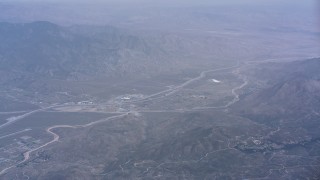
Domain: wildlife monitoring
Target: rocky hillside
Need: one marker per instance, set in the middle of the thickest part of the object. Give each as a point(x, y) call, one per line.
point(49, 50)
point(292, 88)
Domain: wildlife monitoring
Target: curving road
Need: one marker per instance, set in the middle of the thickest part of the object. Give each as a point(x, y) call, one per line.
point(56, 138)
point(151, 97)
point(148, 98)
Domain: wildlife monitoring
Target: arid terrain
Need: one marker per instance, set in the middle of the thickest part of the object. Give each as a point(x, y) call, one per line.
point(180, 91)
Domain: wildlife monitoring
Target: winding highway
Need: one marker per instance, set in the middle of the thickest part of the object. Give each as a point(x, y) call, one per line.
point(151, 97)
point(56, 138)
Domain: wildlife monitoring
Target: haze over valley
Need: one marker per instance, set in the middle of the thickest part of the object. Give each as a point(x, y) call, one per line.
point(161, 90)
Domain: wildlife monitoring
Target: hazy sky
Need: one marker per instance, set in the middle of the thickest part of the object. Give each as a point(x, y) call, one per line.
point(168, 2)
point(113, 11)
point(286, 3)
